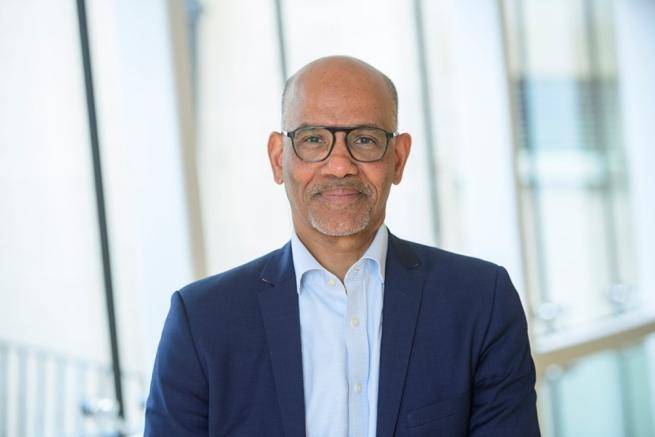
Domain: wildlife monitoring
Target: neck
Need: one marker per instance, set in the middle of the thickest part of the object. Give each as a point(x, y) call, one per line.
point(336, 254)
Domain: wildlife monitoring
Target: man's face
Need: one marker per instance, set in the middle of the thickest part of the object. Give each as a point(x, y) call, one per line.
point(339, 196)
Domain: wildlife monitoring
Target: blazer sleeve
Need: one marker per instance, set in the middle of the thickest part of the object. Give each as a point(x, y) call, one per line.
point(178, 401)
point(504, 398)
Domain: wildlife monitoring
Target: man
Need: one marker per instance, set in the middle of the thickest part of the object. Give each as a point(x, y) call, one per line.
point(346, 330)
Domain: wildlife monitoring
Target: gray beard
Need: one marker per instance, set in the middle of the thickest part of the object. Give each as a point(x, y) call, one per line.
point(340, 228)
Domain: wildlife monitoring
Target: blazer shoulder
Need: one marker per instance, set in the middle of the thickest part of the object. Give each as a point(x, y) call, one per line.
point(236, 283)
point(460, 277)
point(475, 285)
point(433, 257)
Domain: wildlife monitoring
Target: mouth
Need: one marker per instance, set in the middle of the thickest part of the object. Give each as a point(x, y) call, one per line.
point(340, 196)
point(338, 193)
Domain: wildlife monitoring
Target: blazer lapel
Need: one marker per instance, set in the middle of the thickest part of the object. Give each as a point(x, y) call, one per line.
point(402, 296)
point(278, 303)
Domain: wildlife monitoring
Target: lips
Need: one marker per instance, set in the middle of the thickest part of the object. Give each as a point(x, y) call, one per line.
point(339, 193)
point(339, 197)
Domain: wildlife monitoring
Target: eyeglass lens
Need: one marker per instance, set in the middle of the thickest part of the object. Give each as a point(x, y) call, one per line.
point(315, 143)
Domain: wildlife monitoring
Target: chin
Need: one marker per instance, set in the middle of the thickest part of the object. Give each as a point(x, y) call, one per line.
point(339, 227)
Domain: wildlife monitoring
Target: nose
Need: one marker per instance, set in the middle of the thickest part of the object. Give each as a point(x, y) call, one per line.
point(339, 164)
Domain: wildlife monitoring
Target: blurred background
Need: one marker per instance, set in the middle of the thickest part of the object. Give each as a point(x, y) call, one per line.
point(133, 161)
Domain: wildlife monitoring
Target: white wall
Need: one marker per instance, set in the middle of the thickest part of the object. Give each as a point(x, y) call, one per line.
point(51, 285)
point(474, 132)
point(51, 279)
point(142, 157)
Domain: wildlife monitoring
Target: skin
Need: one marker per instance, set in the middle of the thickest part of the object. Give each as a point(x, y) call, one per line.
point(338, 204)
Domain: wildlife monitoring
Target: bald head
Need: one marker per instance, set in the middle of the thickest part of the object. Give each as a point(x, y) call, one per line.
point(337, 77)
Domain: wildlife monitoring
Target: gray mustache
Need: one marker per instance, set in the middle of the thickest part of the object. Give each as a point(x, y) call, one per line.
point(352, 184)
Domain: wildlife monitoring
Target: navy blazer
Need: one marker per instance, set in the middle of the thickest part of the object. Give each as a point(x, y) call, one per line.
point(455, 359)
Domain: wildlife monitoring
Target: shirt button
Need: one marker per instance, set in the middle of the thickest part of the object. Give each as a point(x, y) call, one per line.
point(331, 282)
point(358, 388)
point(354, 322)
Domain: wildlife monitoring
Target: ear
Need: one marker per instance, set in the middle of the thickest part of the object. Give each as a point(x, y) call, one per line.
point(275, 153)
point(402, 146)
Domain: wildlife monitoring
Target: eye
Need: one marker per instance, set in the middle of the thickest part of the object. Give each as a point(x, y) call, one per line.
point(364, 141)
point(312, 139)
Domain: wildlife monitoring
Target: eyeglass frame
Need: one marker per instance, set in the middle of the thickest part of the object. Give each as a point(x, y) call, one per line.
point(333, 130)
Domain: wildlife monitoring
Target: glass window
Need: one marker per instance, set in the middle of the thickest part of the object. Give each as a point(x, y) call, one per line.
point(577, 188)
point(572, 173)
point(239, 84)
point(576, 403)
point(54, 344)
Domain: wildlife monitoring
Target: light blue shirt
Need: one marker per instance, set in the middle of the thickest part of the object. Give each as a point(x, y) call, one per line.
point(340, 331)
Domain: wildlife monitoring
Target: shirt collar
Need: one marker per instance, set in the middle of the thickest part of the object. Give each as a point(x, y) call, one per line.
point(304, 261)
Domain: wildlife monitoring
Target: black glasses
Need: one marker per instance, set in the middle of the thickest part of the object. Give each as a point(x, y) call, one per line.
point(364, 143)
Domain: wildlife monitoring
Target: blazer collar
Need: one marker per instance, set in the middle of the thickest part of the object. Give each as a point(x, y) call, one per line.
point(279, 267)
point(402, 252)
point(278, 304)
point(402, 298)
point(278, 300)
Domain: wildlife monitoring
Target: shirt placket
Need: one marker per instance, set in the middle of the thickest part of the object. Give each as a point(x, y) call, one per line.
point(357, 351)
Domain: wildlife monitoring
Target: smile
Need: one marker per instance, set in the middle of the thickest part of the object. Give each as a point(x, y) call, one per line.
point(339, 196)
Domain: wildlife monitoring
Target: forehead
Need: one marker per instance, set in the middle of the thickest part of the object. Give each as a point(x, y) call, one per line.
point(340, 96)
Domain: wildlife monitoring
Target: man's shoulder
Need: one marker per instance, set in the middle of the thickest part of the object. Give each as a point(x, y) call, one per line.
point(432, 258)
point(463, 278)
point(238, 283)
point(469, 283)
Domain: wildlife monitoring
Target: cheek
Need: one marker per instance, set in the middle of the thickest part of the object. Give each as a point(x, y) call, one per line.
point(380, 178)
point(296, 178)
